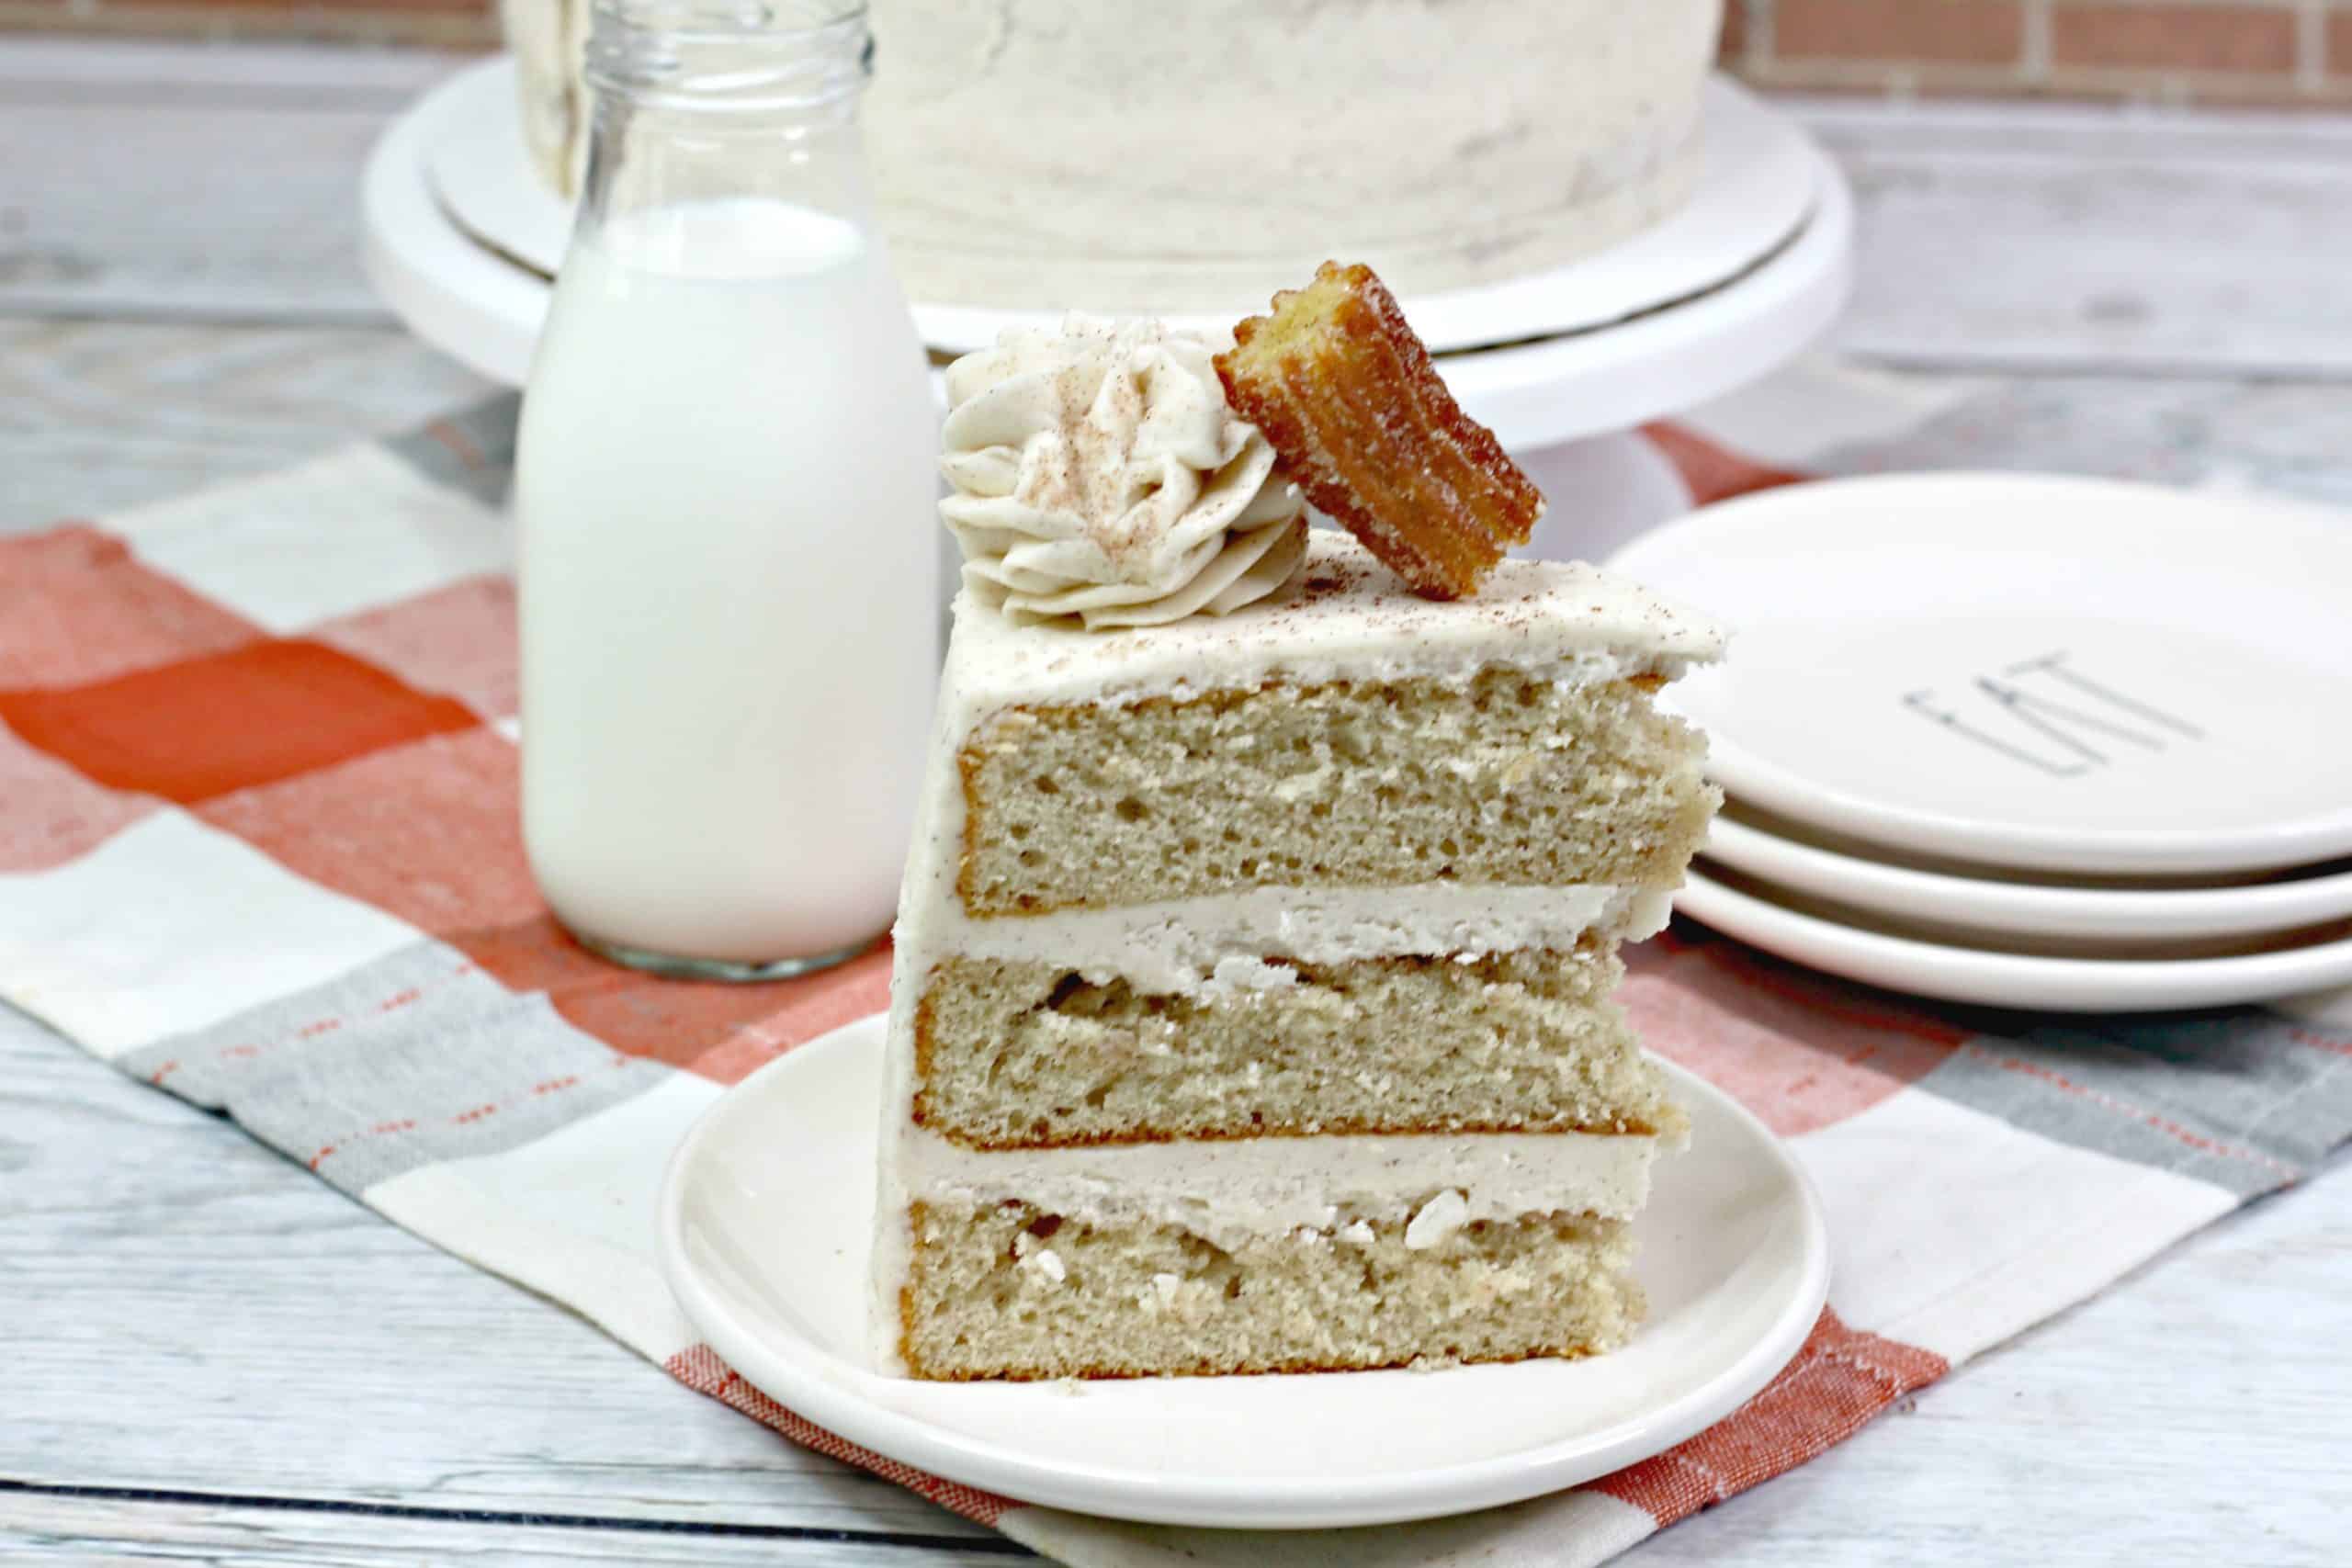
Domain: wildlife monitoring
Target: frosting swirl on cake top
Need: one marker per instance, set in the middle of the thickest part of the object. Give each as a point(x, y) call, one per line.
point(1099, 476)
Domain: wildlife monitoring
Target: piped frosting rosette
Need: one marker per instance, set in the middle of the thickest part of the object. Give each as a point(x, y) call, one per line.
point(1100, 475)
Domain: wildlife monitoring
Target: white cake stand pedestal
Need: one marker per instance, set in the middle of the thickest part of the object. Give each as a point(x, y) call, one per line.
point(1565, 404)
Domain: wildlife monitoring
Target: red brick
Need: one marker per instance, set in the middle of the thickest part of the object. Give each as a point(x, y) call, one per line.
point(2247, 39)
point(461, 24)
point(2339, 43)
point(1731, 44)
point(295, 7)
point(1941, 32)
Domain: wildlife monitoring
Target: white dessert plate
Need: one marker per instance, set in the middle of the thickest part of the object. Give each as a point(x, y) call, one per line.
point(1754, 192)
point(2064, 674)
point(1987, 903)
point(764, 1219)
point(1778, 924)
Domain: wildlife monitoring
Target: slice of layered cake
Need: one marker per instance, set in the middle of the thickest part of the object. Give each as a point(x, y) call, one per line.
point(1251, 1008)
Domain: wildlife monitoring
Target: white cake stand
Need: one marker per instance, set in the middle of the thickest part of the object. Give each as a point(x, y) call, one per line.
point(1761, 265)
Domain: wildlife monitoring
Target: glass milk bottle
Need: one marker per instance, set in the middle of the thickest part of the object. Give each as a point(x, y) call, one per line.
point(726, 496)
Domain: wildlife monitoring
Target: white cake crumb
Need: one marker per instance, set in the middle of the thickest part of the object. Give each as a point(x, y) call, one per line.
point(1299, 787)
point(1242, 971)
point(1356, 1232)
point(1441, 1219)
point(1042, 1261)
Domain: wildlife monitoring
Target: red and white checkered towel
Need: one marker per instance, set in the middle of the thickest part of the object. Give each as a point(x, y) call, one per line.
point(258, 846)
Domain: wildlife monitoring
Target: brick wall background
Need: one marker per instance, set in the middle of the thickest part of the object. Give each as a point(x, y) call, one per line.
point(2227, 52)
point(445, 24)
point(2238, 52)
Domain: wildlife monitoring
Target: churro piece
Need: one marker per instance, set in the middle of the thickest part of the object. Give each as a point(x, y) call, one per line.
point(1348, 397)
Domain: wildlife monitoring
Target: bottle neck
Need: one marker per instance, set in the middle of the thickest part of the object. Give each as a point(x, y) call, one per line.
point(725, 100)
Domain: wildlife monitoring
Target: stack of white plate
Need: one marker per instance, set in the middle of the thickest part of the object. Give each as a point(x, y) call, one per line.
point(2026, 741)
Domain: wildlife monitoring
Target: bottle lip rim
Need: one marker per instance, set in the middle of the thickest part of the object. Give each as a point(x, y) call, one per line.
point(637, 48)
point(693, 21)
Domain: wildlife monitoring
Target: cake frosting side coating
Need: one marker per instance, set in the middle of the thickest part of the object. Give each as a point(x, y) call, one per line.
point(1144, 158)
point(1197, 157)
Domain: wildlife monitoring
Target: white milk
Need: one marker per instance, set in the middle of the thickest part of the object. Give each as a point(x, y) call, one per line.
point(726, 494)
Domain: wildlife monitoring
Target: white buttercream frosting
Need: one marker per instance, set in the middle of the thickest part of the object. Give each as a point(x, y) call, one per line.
point(1343, 618)
point(1130, 155)
point(1220, 943)
point(1229, 1189)
point(1100, 477)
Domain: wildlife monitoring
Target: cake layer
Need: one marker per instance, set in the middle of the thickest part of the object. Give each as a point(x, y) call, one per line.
point(1509, 778)
point(1014, 1291)
point(1216, 945)
point(1231, 1190)
point(1017, 1055)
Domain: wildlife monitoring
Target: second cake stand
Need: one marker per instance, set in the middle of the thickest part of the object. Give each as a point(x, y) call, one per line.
point(1565, 403)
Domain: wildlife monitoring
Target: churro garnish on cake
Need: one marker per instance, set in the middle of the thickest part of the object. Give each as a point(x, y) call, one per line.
point(1345, 392)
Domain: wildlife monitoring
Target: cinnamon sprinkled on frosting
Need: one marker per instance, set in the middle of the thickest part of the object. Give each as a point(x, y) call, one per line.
point(1100, 476)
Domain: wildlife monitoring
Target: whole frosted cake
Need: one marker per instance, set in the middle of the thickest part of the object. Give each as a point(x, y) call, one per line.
point(1151, 156)
point(1252, 1003)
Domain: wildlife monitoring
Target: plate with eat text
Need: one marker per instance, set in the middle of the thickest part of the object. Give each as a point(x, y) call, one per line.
point(2024, 671)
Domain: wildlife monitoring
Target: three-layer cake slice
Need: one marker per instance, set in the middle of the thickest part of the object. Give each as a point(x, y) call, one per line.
point(1251, 1008)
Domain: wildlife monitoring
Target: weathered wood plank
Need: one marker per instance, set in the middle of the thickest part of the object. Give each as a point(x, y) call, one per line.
point(2042, 238)
point(228, 213)
point(1986, 261)
point(98, 416)
point(211, 181)
point(251, 72)
point(209, 1318)
point(2062, 129)
point(102, 1532)
point(158, 1250)
point(2173, 1419)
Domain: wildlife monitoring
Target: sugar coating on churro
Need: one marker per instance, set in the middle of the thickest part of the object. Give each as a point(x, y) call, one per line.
point(1346, 394)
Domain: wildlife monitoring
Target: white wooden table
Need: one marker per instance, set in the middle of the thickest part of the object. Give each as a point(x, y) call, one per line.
point(216, 1358)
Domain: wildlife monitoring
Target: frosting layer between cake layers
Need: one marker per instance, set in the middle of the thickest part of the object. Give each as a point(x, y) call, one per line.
point(1219, 943)
point(1225, 1189)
